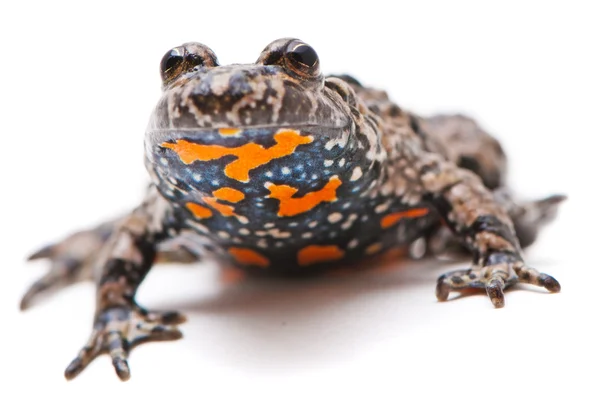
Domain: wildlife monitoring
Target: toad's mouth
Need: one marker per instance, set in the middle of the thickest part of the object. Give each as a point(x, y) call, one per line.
point(262, 135)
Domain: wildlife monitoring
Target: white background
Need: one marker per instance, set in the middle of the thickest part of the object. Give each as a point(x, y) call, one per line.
point(78, 83)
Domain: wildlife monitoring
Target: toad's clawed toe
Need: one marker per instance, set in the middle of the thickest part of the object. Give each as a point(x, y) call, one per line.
point(494, 279)
point(117, 330)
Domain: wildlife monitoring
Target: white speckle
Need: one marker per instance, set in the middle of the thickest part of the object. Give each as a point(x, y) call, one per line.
point(307, 235)
point(314, 176)
point(244, 231)
point(356, 174)
point(223, 234)
point(260, 233)
point(353, 243)
point(242, 219)
point(279, 244)
point(198, 226)
point(328, 163)
point(236, 240)
point(269, 225)
point(364, 218)
point(269, 174)
point(164, 161)
point(418, 248)
point(335, 217)
point(348, 223)
point(215, 182)
point(300, 167)
point(313, 224)
point(275, 233)
point(197, 177)
point(342, 162)
point(332, 234)
point(382, 207)
point(262, 243)
point(172, 180)
point(286, 170)
point(293, 224)
point(346, 205)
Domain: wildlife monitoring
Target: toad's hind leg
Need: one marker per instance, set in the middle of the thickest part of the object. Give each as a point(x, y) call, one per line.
point(73, 258)
point(465, 143)
point(469, 146)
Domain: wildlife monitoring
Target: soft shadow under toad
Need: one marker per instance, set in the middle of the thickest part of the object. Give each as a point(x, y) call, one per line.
point(301, 320)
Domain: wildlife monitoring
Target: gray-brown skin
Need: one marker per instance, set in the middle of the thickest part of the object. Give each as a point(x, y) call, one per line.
point(276, 168)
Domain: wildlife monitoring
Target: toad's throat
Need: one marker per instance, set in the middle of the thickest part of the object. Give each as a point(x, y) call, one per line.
point(248, 156)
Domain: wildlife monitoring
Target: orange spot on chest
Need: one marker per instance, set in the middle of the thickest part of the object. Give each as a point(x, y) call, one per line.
point(229, 194)
point(225, 210)
point(319, 253)
point(249, 257)
point(199, 211)
point(393, 218)
point(289, 206)
point(249, 156)
point(373, 248)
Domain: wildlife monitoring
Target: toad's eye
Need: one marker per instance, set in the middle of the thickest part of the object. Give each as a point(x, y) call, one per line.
point(185, 58)
point(303, 54)
point(302, 58)
point(172, 63)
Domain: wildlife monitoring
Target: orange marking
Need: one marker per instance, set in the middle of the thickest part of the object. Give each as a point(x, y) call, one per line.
point(229, 131)
point(373, 248)
point(319, 253)
point(199, 211)
point(289, 206)
point(249, 156)
point(393, 218)
point(249, 257)
point(229, 195)
point(225, 210)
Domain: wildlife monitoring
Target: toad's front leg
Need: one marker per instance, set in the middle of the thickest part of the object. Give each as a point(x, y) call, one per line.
point(483, 225)
point(119, 323)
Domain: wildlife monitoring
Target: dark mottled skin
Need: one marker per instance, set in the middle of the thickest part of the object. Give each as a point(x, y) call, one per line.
point(279, 169)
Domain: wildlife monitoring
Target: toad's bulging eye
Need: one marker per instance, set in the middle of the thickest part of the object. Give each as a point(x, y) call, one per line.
point(302, 58)
point(303, 54)
point(184, 59)
point(171, 63)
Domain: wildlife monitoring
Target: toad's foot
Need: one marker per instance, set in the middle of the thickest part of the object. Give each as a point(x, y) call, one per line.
point(71, 261)
point(493, 278)
point(118, 329)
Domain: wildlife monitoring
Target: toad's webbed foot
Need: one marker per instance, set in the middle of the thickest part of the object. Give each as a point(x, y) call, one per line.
point(118, 329)
point(494, 278)
point(71, 261)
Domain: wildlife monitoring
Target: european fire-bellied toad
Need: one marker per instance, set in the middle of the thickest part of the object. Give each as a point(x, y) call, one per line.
point(277, 168)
